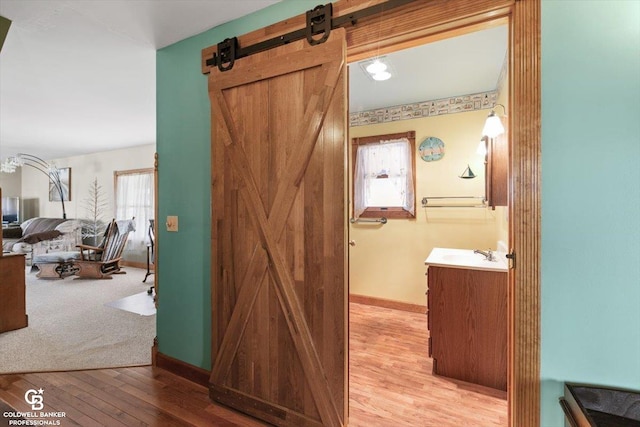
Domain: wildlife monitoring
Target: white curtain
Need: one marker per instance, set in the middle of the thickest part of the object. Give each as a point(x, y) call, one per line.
point(134, 198)
point(384, 176)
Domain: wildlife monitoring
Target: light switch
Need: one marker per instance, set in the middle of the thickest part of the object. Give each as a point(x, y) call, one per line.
point(172, 223)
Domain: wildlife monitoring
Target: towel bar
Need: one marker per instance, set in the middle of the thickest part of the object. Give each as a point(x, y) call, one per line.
point(382, 220)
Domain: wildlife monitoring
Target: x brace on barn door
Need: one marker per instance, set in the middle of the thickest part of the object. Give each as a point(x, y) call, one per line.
point(320, 21)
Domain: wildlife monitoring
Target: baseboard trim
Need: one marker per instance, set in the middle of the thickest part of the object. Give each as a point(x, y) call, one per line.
point(142, 265)
point(387, 303)
point(182, 369)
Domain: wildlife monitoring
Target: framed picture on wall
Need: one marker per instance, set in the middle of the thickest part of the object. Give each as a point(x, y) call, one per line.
point(65, 183)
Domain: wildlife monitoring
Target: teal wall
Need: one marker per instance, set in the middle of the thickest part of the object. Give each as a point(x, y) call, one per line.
point(590, 197)
point(590, 193)
point(184, 312)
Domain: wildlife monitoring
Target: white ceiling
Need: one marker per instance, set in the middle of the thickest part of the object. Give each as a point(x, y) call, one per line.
point(78, 76)
point(461, 65)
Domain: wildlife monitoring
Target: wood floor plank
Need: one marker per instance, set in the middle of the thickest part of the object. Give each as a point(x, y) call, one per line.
point(174, 400)
point(391, 380)
point(97, 398)
point(99, 410)
point(87, 414)
point(145, 413)
point(54, 401)
point(390, 384)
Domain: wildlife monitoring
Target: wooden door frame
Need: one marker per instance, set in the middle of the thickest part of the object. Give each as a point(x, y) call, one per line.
point(416, 22)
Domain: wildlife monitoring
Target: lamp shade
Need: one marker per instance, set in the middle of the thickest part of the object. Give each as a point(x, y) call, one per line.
point(493, 126)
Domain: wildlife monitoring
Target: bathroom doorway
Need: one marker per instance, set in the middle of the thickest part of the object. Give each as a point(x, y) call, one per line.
point(443, 91)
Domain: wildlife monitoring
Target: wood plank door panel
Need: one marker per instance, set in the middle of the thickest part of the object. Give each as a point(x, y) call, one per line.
point(279, 291)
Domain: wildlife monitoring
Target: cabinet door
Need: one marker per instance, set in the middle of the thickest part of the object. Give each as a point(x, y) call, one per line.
point(468, 315)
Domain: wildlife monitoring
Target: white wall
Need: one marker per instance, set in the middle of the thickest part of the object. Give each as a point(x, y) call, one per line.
point(11, 184)
point(84, 169)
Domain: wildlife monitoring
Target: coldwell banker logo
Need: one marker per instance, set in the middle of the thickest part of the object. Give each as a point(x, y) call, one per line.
point(35, 399)
point(38, 417)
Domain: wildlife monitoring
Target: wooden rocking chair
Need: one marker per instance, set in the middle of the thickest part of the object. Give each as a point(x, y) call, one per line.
point(100, 262)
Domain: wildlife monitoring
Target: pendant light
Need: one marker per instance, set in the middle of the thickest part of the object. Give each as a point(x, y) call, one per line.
point(377, 69)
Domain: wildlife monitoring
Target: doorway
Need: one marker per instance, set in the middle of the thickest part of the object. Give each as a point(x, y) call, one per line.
point(443, 92)
point(421, 19)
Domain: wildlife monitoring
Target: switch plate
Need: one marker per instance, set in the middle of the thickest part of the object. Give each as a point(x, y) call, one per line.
point(172, 223)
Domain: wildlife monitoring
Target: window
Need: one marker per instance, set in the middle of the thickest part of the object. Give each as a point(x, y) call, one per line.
point(383, 176)
point(135, 198)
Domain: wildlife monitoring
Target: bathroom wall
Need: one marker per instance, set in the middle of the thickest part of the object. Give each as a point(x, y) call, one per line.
point(388, 260)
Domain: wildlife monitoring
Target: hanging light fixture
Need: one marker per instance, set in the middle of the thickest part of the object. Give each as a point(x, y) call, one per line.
point(381, 76)
point(378, 69)
point(493, 126)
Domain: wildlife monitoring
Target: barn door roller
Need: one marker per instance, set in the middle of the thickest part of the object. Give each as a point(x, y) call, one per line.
point(320, 22)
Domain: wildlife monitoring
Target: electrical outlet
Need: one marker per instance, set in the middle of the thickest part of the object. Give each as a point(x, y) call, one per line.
point(172, 223)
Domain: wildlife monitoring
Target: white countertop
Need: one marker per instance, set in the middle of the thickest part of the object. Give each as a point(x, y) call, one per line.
point(465, 258)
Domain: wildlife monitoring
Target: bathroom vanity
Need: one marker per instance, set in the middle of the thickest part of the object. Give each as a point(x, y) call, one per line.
point(467, 316)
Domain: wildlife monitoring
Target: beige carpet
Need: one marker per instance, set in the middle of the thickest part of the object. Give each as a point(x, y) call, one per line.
point(71, 327)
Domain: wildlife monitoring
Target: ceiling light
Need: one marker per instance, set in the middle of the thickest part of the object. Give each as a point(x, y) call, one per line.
point(376, 67)
point(383, 75)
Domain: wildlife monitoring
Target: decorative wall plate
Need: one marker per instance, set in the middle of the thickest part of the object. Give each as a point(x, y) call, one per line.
point(431, 149)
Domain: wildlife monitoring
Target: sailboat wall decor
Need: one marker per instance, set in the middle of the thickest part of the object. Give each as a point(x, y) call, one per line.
point(468, 173)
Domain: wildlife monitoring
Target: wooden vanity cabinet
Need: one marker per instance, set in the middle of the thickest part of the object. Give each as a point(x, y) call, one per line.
point(467, 320)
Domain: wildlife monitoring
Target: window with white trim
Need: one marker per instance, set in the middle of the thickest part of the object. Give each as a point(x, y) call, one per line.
point(383, 176)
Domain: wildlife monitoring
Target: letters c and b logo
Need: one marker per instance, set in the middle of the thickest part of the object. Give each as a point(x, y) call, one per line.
point(35, 399)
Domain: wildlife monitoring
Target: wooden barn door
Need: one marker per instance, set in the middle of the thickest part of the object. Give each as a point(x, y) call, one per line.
point(279, 288)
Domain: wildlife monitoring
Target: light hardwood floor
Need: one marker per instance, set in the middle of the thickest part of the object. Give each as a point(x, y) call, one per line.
point(390, 385)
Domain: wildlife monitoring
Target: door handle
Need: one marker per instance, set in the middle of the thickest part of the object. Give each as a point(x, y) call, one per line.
point(352, 242)
point(511, 256)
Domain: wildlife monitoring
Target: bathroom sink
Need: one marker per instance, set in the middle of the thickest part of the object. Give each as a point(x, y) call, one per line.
point(465, 258)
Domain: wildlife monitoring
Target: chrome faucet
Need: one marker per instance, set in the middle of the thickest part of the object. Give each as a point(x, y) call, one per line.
point(488, 255)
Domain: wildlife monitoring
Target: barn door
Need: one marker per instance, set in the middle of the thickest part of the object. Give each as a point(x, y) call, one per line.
point(279, 292)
